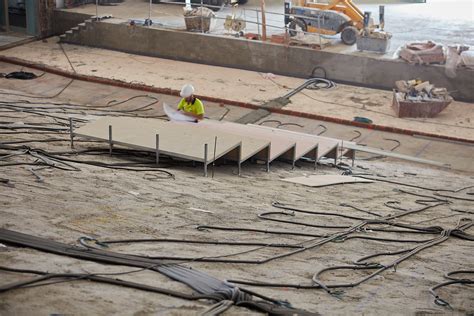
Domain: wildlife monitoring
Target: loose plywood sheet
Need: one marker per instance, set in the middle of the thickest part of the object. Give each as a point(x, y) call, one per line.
point(279, 147)
point(182, 140)
point(325, 180)
point(327, 147)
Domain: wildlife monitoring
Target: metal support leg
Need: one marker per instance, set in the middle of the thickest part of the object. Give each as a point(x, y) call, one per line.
point(157, 150)
point(353, 157)
point(71, 132)
point(315, 158)
point(214, 158)
point(111, 145)
point(268, 159)
point(239, 164)
point(205, 160)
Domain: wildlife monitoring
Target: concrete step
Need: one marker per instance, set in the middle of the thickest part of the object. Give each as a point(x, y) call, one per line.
point(68, 32)
point(75, 29)
point(81, 25)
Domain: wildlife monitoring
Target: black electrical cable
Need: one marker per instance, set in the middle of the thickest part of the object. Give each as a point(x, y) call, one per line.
point(359, 134)
point(46, 156)
point(379, 268)
point(203, 283)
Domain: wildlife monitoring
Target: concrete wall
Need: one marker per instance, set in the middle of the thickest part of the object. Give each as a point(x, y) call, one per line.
point(267, 57)
point(64, 21)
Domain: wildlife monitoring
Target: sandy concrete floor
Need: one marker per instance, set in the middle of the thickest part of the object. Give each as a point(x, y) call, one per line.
point(343, 102)
point(116, 204)
point(9, 38)
point(438, 20)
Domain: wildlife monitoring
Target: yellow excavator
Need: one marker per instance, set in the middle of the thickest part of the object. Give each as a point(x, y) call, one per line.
point(331, 18)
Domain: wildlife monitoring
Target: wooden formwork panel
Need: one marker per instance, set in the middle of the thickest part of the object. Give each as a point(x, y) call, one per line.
point(279, 148)
point(327, 147)
point(305, 147)
point(251, 147)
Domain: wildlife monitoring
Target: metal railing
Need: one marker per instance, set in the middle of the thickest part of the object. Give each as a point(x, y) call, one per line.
point(250, 16)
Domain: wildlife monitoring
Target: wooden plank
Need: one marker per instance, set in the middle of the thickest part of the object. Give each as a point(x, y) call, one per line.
point(178, 140)
point(325, 180)
point(279, 148)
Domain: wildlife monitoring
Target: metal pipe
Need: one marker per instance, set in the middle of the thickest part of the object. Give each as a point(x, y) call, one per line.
point(264, 26)
point(149, 13)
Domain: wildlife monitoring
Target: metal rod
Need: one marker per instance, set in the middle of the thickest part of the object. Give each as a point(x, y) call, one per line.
point(97, 10)
point(205, 160)
point(6, 17)
point(157, 152)
point(319, 29)
point(214, 160)
point(258, 24)
point(315, 157)
point(268, 158)
point(239, 164)
point(149, 13)
point(110, 140)
point(71, 132)
point(342, 151)
point(202, 19)
point(264, 26)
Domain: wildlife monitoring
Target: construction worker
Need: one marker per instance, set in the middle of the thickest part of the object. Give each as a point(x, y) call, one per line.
point(189, 104)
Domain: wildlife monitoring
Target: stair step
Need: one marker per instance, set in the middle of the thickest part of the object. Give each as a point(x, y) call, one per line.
point(81, 25)
point(76, 28)
point(68, 32)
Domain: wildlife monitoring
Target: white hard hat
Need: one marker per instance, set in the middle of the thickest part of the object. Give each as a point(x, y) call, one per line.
point(186, 91)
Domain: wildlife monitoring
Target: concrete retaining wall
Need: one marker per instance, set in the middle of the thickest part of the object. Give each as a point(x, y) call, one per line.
point(267, 57)
point(64, 20)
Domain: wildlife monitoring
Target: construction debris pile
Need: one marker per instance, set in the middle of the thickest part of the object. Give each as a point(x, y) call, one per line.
point(198, 19)
point(423, 53)
point(416, 98)
point(419, 91)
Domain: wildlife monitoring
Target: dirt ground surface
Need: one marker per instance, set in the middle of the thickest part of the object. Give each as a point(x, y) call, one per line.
point(344, 102)
point(110, 204)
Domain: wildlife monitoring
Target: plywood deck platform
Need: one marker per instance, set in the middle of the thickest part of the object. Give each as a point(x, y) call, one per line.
point(186, 141)
point(232, 141)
